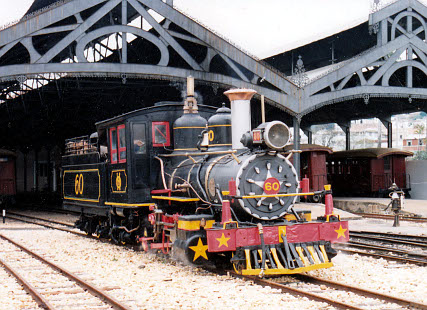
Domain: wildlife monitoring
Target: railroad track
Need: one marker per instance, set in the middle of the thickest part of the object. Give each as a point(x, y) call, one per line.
point(372, 244)
point(51, 286)
point(42, 219)
point(312, 292)
point(56, 223)
point(316, 288)
point(391, 217)
point(408, 240)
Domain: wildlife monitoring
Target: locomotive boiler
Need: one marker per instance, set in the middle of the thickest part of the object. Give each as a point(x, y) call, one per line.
point(199, 181)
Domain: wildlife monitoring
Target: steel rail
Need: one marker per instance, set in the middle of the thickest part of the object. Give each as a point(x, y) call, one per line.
point(389, 239)
point(294, 291)
point(41, 219)
point(422, 238)
point(389, 257)
point(361, 291)
point(39, 299)
point(77, 233)
point(365, 245)
point(91, 288)
point(391, 217)
point(51, 227)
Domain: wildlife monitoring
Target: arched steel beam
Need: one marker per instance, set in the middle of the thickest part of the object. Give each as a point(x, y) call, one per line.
point(321, 100)
point(260, 69)
point(40, 21)
point(405, 14)
point(82, 43)
point(278, 99)
point(401, 64)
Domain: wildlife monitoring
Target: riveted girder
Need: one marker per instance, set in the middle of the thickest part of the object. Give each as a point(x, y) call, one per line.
point(133, 38)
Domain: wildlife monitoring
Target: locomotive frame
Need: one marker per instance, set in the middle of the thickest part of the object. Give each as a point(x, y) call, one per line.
point(165, 177)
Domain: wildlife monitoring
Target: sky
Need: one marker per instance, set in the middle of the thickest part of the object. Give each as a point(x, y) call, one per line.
point(261, 27)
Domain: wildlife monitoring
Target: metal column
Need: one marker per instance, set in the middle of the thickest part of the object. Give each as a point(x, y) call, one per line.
point(307, 131)
point(387, 123)
point(346, 128)
point(297, 141)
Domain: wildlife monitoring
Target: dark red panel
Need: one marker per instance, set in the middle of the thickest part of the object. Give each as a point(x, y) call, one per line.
point(303, 232)
point(221, 240)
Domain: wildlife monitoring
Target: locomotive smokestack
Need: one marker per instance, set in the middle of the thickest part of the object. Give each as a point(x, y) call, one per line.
point(240, 113)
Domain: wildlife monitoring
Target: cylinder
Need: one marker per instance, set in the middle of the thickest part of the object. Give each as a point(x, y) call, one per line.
point(240, 114)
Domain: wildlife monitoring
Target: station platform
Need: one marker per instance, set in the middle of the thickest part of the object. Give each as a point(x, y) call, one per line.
point(413, 207)
point(318, 209)
point(367, 205)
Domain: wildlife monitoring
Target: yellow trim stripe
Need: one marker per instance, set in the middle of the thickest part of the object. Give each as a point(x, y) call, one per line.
point(278, 195)
point(191, 149)
point(279, 271)
point(193, 225)
point(175, 198)
point(220, 144)
point(225, 125)
point(144, 204)
point(85, 170)
point(188, 127)
point(81, 199)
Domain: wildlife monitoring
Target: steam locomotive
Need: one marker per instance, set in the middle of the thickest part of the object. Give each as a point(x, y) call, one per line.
point(208, 190)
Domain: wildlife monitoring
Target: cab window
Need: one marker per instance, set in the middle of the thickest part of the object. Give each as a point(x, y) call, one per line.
point(113, 145)
point(118, 144)
point(161, 134)
point(140, 159)
point(139, 143)
point(121, 137)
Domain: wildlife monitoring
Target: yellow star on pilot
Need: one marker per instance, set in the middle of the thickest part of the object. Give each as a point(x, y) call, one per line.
point(341, 232)
point(199, 250)
point(223, 241)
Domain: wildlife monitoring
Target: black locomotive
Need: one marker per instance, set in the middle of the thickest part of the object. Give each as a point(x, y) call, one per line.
point(181, 176)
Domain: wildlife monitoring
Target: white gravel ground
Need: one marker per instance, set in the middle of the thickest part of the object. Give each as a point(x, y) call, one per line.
point(12, 295)
point(145, 281)
point(148, 282)
point(401, 280)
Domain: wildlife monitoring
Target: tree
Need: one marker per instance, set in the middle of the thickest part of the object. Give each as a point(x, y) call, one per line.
point(420, 155)
point(419, 130)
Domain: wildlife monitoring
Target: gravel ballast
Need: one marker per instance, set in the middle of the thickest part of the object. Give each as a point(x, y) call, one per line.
point(146, 281)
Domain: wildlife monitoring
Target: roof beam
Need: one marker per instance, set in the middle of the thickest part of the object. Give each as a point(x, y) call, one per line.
point(38, 22)
point(111, 4)
point(153, 71)
point(275, 78)
point(165, 35)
